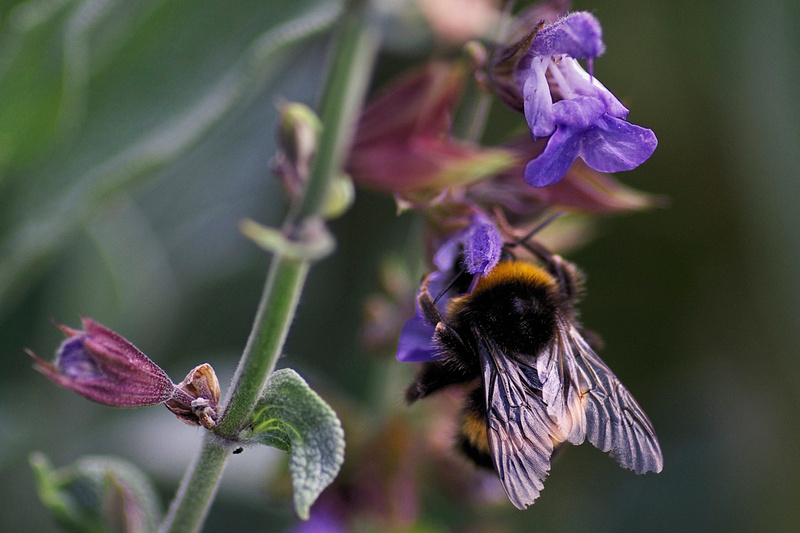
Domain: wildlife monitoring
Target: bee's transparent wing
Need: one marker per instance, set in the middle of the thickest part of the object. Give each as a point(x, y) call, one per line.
point(613, 420)
point(520, 432)
point(564, 386)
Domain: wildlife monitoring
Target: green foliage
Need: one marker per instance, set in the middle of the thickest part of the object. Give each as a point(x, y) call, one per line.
point(98, 99)
point(97, 495)
point(292, 417)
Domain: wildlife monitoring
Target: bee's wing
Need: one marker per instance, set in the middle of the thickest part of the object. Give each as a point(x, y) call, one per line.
point(520, 432)
point(564, 385)
point(614, 422)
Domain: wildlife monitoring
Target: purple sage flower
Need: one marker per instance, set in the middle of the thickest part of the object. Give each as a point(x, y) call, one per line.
point(540, 76)
point(581, 116)
point(103, 367)
point(480, 245)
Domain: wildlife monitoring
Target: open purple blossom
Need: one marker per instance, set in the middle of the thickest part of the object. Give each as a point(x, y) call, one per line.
point(560, 100)
point(480, 246)
point(103, 367)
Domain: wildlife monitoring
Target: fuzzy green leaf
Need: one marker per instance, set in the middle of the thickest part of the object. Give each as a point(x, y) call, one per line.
point(292, 417)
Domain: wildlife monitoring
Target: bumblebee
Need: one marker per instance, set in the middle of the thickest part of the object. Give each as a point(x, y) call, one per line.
point(536, 383)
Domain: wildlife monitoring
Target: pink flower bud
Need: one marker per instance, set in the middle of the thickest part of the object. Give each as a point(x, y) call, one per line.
point(105, 368)
point(402, 144)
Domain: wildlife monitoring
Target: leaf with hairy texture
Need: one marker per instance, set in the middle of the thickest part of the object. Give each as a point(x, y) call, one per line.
point(292, 417)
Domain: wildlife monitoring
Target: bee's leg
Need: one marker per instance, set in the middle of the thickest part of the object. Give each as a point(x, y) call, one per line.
point(569, 278)
point(436, 375)
point(429, 309)
point(451, 341)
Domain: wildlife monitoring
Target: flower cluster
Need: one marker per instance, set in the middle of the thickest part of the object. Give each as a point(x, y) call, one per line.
point(511, 329)
point(476, 196)
point(403, 144)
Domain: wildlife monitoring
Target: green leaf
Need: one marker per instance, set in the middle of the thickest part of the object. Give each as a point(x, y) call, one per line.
point(312, 242)
point(292, 417)
point(97, 494)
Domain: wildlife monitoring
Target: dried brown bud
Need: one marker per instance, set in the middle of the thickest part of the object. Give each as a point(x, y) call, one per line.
point(196, 399)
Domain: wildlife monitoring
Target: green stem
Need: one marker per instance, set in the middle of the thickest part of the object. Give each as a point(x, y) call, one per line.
point(271, 326)
point(192, 502)
point(478, 104)
point(346, 87)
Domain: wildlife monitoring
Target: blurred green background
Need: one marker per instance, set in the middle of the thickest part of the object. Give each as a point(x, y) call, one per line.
point(135, 135)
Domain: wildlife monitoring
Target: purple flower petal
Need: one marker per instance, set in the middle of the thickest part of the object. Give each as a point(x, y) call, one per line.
point(416, 337)
point(578, 34)
point(445, 257)
point(416, 341)
point(75, 361)
point(551, 165)
point(537, 101)
point(482, 246)
point(614, 145)
point(581, 83)
point(578, 114)
point(323, 519)
point(583, 129)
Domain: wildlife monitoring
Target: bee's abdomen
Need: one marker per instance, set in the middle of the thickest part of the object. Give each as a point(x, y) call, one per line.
point(473, 440)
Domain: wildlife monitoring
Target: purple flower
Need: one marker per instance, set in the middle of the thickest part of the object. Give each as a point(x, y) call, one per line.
point(416, 337)
point(565, 103)
point(105, 368)
point(324, 518)
point(480, 245)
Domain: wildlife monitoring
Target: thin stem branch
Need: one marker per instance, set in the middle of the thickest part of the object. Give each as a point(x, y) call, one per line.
point(342, 100)
point(198, 487)
point(271, 326)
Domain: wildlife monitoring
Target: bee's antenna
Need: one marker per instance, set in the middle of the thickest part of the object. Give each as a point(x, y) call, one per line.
point(449, 285)
point(537, 229)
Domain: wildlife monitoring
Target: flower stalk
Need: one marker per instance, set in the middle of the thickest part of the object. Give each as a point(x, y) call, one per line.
point(342, 98)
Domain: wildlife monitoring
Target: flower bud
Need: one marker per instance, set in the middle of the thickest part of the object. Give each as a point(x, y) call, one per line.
point(196, 398)
point(403, 146)
point(103, 367)
point(298, 131)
